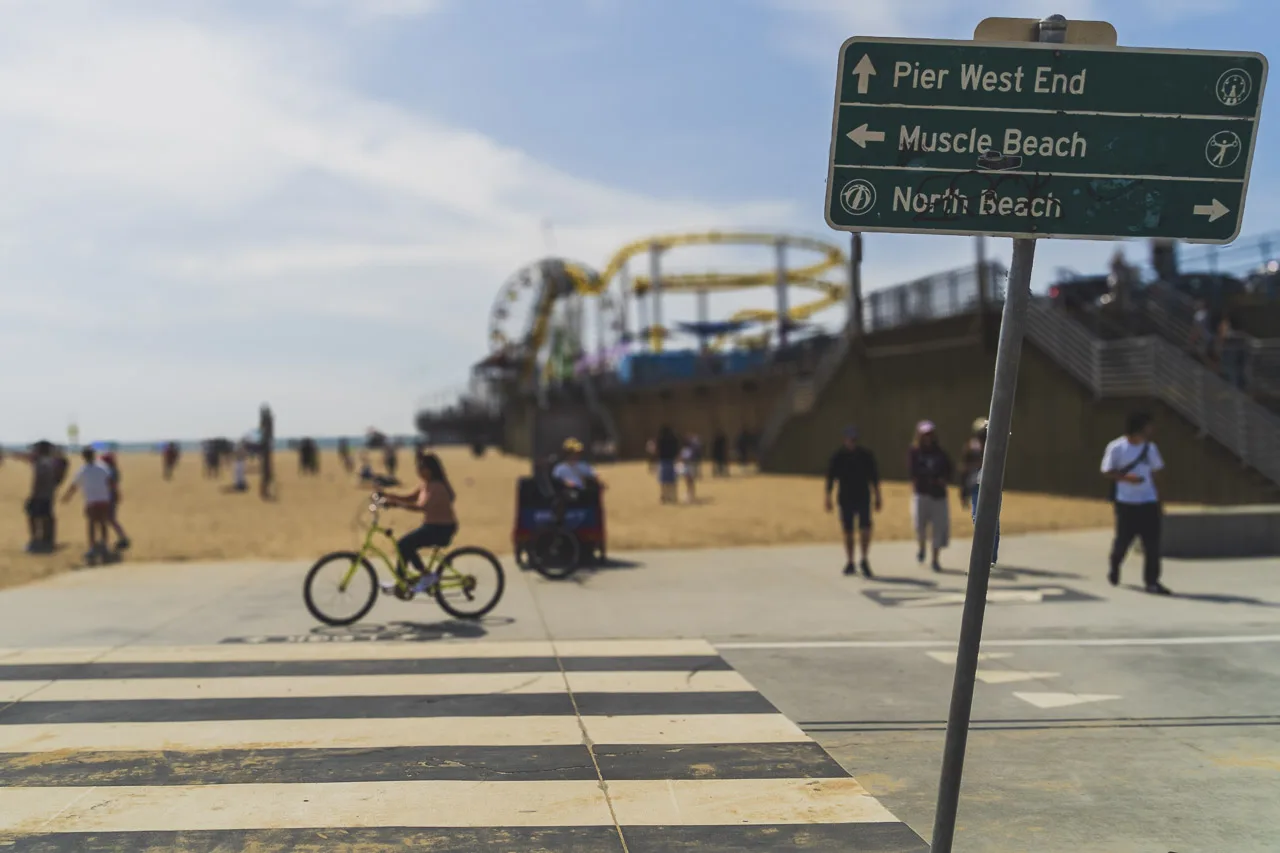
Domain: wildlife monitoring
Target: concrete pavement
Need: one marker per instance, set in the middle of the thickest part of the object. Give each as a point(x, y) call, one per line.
point(1105, 720)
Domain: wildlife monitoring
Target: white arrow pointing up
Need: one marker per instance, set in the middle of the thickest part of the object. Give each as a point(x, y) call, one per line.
point(861, 135)
point(864, 71)
point(1214, 211)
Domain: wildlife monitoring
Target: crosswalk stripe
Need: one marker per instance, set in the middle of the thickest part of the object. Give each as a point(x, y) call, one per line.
point(380, 666)
point(805, 760)
point(411, 731)
point(360, 651)
point(437, 803)
point(93, 690)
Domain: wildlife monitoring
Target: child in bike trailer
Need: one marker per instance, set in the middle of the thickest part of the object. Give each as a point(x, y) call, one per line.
point(434, 499)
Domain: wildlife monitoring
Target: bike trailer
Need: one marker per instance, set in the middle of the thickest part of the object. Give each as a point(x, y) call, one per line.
point(535, 508)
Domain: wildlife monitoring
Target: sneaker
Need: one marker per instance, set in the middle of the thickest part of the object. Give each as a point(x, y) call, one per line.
point(849, 569)
point(937, 567)
point(920, 556)
point(1113, 577)
point(1158, 589)
point(426, 582)
point(387, 587)
point(866, 568)
point(123, 544)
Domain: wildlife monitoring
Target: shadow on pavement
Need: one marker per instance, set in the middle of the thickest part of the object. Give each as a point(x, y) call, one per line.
point(917, 582)
point(1222, 598)
point(417, 631)
point(1013, 573)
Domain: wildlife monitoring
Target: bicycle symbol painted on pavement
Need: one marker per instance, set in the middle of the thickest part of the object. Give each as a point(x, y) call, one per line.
point(1223, 149)
point(858, 197)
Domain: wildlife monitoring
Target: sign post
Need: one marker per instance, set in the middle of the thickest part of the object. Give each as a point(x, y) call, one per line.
point(1068, 136)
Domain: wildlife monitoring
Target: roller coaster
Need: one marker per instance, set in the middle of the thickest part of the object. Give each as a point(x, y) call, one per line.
point(554, 282)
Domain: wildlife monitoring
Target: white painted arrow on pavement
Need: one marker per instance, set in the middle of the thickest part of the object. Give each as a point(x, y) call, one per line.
point(861, 135)
point(864, 71)
point(1214, 211)
point(950, 657)
point(995, 596)
point(1008, 676)
point(1062, 700)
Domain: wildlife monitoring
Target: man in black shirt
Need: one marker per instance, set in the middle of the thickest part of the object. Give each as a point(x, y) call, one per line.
point(854, 469)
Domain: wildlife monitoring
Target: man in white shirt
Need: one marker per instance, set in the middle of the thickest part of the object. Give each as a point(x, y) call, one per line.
point(1131, 463)
point(94, 481)
point(573, 471)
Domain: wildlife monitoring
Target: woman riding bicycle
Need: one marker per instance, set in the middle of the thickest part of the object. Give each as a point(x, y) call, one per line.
point(434, 499)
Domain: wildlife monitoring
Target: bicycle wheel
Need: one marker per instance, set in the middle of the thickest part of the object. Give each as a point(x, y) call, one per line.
point(556, 553)
point(471, 583)
point(330, 601)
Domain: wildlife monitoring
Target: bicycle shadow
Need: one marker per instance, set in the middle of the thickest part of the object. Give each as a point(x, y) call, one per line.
point(416, 632)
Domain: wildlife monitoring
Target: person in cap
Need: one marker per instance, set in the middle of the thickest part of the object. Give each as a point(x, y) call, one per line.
point(929, 468)
point(853, 470)
point(971, 476)
point(573, 471)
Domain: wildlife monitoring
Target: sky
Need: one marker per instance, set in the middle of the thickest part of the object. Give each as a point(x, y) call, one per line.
point(210, 204)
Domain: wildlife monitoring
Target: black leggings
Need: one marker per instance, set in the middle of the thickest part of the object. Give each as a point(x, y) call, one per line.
point(426, 536)
point(1138, 521)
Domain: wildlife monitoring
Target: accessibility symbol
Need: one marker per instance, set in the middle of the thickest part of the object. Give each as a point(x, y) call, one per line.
point(858, 197)
point(1223, 149)
point(1233, 87)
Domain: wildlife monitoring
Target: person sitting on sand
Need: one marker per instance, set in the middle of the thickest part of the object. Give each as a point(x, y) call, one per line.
point(434, 499)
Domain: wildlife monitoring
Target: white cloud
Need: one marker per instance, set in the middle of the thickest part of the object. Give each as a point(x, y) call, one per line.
point(374, 9)
point(817, 27)
point(201, 213)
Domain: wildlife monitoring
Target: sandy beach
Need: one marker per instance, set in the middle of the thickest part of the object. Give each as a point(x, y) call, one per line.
point(193, 518)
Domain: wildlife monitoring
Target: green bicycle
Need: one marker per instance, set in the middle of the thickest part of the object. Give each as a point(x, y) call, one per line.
point(342, 587)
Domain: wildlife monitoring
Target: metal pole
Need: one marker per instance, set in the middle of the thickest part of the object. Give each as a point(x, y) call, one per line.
point(704, 315)
point(655, 285)
point(855, 284)
point(624, 296)
point(781, 248)
point(1013, 323)
point(980, 258)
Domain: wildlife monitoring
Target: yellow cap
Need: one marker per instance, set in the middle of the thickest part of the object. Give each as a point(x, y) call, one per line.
point(572, 445)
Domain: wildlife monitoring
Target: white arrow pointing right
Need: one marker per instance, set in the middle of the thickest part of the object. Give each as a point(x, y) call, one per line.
point(1214, 211)
point(864, 71)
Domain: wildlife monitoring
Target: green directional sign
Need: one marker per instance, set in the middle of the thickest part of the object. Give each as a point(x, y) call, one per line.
point(1042, 140)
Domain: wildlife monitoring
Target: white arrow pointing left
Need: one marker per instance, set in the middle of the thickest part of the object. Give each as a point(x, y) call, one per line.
point(1214, 211)
point(861, 135)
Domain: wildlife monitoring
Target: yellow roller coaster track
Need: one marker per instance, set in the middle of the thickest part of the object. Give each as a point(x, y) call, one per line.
point(588, 284)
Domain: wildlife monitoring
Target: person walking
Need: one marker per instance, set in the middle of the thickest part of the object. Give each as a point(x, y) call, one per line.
point(668, 452)
point(929, 467)
point(266, 470)
point(39, 504)
point(971, 478)
point(853, 470)
point(687, 470)
point(122, 538)
point(93, 480)
point(344, 453)
point(1130, 463)
point(720, 454)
